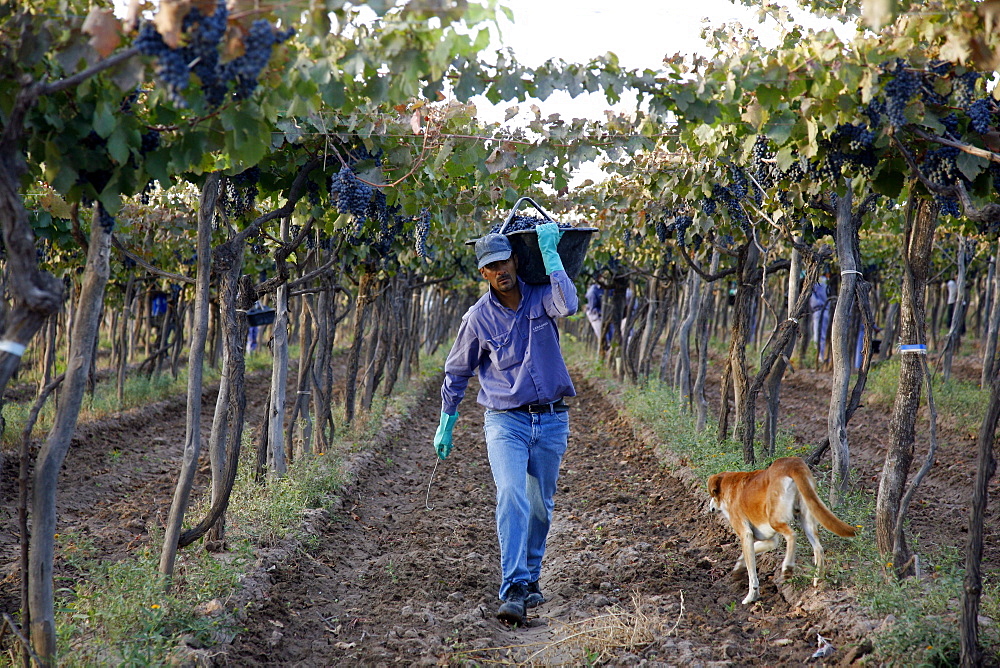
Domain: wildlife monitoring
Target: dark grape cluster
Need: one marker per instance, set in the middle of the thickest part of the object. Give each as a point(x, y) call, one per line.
point(795, 173)
point(150, 142)
point(762, 162)
point(739, 185)
point(422, 229)
point(708, 206)
point(680, 227)
point(874, 110)
point(129, 100)
point(147, 190)
point(106, 220)
point(240, 194)
point(524, 222)
point(199, 53)
point(849, 145)
point(724, 196)
point(899, 91)
point(377, 208)
point(950, 123)
point(940, 167)
point(312, 193)
point(350, 194)
point(963, 90)
point(980, 113)
point(258, 44)
point(662, 231)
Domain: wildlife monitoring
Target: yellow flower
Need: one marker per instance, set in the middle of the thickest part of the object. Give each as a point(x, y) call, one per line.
point(889, 565)
point(155, 606)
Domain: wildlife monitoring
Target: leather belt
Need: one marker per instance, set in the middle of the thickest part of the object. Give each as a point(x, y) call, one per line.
point(554, 407)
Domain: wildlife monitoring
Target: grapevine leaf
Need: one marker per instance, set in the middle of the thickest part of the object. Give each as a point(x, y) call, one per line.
point(104, 119)
point(118, 145)
point(244, 129)
point(889, 182)
point(334, 95)
point(779, 127)
point(971, 165)
point(444, 153)
point(503, 157)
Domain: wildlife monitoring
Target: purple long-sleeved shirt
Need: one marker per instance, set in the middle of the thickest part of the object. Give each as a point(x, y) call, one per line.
point(515, 353)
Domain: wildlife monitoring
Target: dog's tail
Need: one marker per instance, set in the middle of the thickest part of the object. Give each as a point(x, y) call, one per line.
point(804, 480)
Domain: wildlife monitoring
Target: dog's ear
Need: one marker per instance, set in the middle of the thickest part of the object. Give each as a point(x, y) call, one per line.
point(715, 485)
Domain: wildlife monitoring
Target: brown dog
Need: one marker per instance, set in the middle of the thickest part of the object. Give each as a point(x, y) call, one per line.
point(760, 504)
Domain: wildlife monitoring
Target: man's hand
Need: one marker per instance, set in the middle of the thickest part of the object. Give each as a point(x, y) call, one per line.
point(548, 242)
point(442, 439)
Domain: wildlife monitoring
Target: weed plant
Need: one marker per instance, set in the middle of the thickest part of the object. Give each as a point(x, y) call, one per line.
point(117, 613)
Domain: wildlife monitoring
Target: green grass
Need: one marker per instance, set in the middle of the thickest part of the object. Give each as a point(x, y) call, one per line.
point(960, 401)
point(925, 627)
point(118, 614)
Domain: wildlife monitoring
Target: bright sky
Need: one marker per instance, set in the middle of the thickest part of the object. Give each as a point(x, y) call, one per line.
point(639, 32)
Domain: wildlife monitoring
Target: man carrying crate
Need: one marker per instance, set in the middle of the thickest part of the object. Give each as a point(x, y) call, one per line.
point(509, 338)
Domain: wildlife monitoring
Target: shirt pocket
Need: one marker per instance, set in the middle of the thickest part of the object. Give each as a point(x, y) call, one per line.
point(502, 353)
point(539, 321)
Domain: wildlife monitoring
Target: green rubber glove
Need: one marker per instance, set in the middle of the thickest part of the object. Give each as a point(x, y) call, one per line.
point(548, 242)
point(442, 439)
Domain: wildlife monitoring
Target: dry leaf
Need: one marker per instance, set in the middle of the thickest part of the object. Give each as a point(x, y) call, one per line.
point(105, 31)
point(415, 121)
point(502, 158)
point(169, 20)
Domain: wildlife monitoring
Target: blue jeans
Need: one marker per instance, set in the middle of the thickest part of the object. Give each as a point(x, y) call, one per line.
point(525, 450)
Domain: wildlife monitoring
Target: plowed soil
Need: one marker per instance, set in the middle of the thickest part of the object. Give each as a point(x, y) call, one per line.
point(405, 570)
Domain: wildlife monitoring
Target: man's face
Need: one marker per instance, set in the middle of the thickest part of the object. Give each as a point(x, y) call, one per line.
point(502, 274)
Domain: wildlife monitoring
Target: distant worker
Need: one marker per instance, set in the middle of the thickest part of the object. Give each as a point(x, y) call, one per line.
point(509, 338)
point(593, 307)
point(820, 308)
point(952, 287)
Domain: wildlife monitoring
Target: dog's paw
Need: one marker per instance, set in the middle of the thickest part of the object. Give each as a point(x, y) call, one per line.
point(788, 571)
point(751, 597)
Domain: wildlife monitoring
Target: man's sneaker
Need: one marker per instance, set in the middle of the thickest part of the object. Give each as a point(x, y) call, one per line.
point(513, 610)
point(535, 596)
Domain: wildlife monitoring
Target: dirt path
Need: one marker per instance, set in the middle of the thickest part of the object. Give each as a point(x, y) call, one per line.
point(390, 581)
point(385, 580)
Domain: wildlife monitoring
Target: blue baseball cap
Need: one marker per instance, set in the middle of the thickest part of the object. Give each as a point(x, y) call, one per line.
point(491, 248)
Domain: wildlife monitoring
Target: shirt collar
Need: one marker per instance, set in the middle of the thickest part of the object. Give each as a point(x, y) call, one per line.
point(520, 305)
